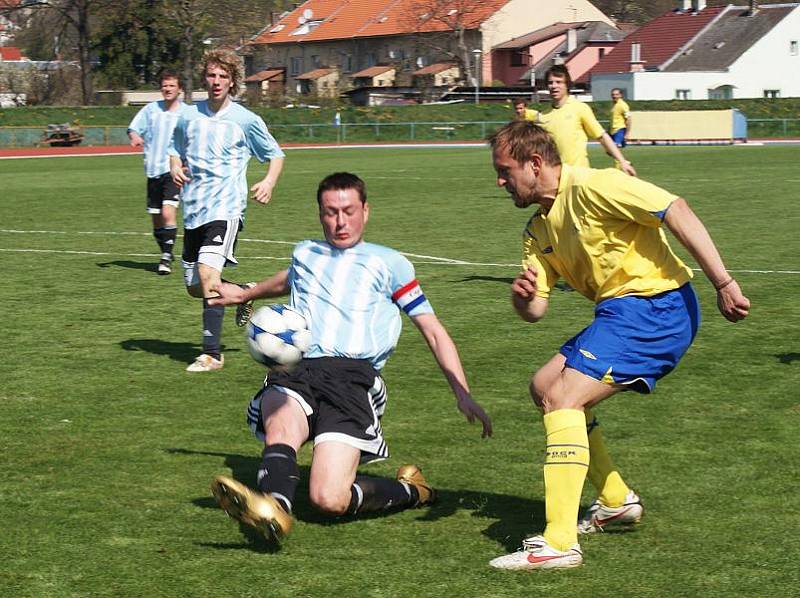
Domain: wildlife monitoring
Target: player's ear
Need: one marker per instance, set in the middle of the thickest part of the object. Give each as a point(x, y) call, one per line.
point(366, 212)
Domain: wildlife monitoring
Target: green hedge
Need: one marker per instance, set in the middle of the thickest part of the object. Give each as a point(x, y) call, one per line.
point(39, 116)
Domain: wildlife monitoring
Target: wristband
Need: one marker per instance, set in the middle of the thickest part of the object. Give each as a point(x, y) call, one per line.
point(724, 284)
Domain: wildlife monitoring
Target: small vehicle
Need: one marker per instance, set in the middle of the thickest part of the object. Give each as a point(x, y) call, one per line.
point(61, 136)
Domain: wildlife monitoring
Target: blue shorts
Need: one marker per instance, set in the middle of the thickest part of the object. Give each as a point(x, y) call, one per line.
point(634, 341)
point(618, 137)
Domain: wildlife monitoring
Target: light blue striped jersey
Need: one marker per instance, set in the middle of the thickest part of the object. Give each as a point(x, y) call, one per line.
point(155, 124)
point(217, 147)
point(353, 297)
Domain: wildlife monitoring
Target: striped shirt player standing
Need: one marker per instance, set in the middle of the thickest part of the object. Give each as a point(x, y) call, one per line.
point(352, 292)
point(152, 128)
point(212, 145)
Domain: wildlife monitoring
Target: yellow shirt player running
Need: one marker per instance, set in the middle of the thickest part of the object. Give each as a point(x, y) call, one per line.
point(522, 112)
point(572, 123)
point(602, 231)
point(620, 119)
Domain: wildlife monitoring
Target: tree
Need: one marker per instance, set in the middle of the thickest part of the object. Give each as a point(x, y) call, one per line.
point(72, 20)
point(443, 25)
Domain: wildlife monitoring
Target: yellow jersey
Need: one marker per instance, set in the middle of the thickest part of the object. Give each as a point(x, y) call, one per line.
point(531, 115)
point(603, 236)
point(571, 126)
point(619, 113)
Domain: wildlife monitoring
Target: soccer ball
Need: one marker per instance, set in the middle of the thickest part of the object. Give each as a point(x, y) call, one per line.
point(277, 336)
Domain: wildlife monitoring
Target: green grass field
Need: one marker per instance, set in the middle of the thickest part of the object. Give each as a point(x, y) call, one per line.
point(108, 446)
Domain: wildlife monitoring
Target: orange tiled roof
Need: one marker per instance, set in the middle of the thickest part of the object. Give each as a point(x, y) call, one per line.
point(373, 71)
point(433, 69)
point(315, 74)
point(265, 75)
point(339, 19)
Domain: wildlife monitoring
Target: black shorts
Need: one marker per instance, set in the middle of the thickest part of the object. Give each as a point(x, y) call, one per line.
point(343, 399)
point(162, 190)
point(211, 244)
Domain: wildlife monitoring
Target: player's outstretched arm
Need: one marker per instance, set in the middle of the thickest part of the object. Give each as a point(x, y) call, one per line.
point(262, 190)
point(528, 306)
point(690, 231)
point(276, 285)
point(613, 151)
point(446, 354)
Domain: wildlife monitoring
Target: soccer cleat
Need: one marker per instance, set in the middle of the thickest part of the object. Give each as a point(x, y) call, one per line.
point(260, 511)
point(206, 363)
point(244, 311)
point(412, 475)
point(598, 516)
point(164, 267)
point(536, 553)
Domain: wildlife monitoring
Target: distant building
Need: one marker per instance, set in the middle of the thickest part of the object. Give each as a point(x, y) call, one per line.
point(352, 36)
point(698, 52)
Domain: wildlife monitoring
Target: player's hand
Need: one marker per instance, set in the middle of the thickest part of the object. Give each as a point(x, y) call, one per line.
point(136, 139)
point(627, 168)
point(732, 303)
point(180, 175)
point(524, 286)
point(473, 411)
point(262, 191)
point(229, 294)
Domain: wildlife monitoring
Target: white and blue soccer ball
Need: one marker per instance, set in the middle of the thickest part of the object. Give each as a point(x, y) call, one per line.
point(278, 336)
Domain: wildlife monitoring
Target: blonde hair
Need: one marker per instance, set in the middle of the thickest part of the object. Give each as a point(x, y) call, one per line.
point(523, 139)
point(230, 62)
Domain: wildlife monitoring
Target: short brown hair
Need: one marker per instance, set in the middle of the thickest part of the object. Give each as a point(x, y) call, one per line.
point(227, 60)
point(168, 74)
point(340, 181)
point(518, 100)
point(523, 139)
point(559, 70)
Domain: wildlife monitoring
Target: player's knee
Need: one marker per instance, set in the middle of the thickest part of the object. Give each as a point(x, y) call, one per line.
point(330, 501)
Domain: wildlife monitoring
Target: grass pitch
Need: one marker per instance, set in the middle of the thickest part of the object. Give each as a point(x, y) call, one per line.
point(109, 446)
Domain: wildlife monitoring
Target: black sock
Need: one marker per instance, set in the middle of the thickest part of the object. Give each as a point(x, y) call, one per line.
point(377, 494)
point(279, 474)
point(165, 237)
point(212, 329)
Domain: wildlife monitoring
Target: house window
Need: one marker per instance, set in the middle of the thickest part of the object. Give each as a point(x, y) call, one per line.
point(372, 60)
point(636, 52)
point(723, 92)
point(601, 52)
point(793, 50)
point(315, 61)
point(683, 94)
point(518, 59)
point(296, 65)
point(347, 63)
point(772, 93)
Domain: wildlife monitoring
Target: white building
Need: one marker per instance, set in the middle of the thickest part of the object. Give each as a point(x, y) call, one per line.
point(697, 52)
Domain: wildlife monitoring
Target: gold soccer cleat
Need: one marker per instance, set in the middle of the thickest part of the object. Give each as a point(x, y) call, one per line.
point(260, 511)
point(412, 475)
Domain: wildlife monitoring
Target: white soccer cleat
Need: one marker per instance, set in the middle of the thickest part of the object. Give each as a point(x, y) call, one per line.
point(206, 363)
point(598, 516)
point(165, 265)
point(536, 553)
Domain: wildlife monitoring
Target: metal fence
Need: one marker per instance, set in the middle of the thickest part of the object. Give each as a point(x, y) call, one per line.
point(365, 132)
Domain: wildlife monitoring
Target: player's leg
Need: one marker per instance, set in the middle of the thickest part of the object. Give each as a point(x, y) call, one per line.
point(166, 229)
point(612, 490)
point(281, 422)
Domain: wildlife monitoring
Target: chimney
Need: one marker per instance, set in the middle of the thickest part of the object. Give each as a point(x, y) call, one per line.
point(698, 5)
point(753, 8)
point(572, 40)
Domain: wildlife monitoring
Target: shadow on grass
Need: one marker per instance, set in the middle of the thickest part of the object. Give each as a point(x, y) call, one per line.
point(514, 516)
point(147, 266)
point(788, 358)
point(500, 279)
point(183, 352)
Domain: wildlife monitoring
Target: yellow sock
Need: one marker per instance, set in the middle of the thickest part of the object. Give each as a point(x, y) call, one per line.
point(610, 487)
point(566, 462)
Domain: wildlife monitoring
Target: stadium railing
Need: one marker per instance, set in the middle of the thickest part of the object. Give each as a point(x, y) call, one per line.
point(421, 131)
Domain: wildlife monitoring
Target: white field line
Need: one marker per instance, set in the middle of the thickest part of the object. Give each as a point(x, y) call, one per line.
point(415, 257)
